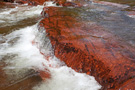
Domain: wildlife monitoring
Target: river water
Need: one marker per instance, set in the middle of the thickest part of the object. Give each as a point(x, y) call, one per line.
point(24, 47)
point(21, 44)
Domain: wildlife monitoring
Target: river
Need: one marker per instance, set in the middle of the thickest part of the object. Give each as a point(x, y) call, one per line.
point(24, 47)
point(21, 44)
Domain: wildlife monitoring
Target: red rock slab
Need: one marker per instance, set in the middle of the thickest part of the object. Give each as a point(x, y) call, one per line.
point(58, 2)
point(30, 2)
point(44, 75)
point(90, 48)
point(7, 5)
point(36, 2)
point(41, 2)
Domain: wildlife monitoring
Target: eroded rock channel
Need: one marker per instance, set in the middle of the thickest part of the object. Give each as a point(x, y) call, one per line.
point(92, 37)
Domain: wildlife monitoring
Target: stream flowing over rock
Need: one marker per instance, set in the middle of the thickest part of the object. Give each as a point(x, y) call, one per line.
point(92, 37)
point(88, 47)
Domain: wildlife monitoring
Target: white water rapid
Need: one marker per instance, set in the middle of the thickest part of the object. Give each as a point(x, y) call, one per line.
point(21, 51)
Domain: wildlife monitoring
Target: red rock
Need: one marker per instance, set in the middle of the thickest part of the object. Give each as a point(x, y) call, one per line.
point(44, 75)
point(89, 48)
point(41, 2)
point(38, 2)
point(7, 4)
point(70, 4)
point(2, 3)
point(29, 2)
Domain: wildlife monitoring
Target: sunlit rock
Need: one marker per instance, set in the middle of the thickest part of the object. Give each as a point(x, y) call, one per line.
point(88, 47)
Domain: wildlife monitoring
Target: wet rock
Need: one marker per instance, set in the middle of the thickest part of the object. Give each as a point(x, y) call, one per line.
point(44, 75)
point(29, 2)
point(41, 2)
point(58, 2)
point(71, 4)
point(6, 5)
point(33, 2)
point(8, 0)
point(89, 48)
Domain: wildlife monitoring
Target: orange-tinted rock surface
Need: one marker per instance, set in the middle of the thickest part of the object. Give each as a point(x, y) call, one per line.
point(88, 47)
point(41, 2)
point(6, 5)
point(30, 2)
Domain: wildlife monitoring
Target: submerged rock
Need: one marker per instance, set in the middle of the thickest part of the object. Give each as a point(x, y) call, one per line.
point(89, 48)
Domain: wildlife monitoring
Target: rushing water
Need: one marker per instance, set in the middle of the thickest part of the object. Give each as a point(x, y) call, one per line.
point(24, 47)
point(21, 44)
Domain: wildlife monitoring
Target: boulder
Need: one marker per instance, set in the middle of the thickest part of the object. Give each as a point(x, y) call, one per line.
point(89, 48)
point(41, 2)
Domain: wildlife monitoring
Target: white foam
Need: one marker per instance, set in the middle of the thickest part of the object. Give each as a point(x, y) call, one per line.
point(12, 15)
point(64, 78)
point(28, 57)
point(20, 43)
point(23, 49)
point(50, 3)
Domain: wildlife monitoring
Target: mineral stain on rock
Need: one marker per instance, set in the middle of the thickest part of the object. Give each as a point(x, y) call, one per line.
point(88, 47)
